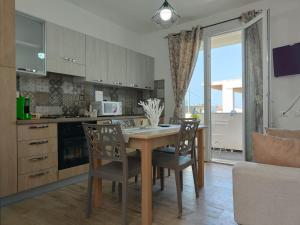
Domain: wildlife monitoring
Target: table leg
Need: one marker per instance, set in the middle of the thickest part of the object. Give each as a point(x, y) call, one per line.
point(146, 155)
point(97, 186)
point(200, 146)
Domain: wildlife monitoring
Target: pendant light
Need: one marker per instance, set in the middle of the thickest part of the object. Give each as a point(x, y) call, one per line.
point(165, 16)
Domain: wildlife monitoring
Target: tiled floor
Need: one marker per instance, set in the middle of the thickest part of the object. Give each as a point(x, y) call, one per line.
point(66, 206)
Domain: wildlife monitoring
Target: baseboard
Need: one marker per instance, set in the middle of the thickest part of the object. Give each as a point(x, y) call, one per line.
point(40, 190)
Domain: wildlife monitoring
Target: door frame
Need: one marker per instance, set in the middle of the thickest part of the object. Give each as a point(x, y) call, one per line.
point(228, 28)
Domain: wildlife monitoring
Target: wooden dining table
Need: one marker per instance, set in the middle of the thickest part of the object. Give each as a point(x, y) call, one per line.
point(146, 140)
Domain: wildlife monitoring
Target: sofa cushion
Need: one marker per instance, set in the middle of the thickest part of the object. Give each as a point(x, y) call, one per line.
point(283, 133)
point(276, 151)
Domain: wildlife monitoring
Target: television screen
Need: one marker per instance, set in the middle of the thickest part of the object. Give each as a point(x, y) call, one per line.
point(286, 60)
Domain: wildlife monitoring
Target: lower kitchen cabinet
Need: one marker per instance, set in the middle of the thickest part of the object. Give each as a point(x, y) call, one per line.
point(8, 143)
point(37, 155)
point(36, 179)
point(73, 171)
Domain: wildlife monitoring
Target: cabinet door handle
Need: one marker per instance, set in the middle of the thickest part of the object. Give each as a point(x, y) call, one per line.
point(27, 70)
point(38, 126)
point(38, 158)
point(38, 142)
point(38, 174)
point(98, 81)
point(69, 59)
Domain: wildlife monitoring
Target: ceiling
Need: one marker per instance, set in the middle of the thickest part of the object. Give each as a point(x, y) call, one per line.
point(136, 15)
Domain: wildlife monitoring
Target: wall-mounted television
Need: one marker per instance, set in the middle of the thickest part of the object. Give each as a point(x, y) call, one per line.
point(286, 60)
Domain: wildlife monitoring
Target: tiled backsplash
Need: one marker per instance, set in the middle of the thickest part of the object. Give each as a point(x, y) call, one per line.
point(59, 94)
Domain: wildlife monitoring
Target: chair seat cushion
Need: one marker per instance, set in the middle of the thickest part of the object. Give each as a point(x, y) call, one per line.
point(170, 150)
point(134, 153)
point(170, 161)
point(114, 170)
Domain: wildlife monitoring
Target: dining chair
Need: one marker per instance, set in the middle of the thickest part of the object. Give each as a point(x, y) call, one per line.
point(134, 153)
point(183, 157)
point(106, 142)
point(171, 149)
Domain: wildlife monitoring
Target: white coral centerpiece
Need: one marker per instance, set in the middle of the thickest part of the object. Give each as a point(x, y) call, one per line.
point(152, 110)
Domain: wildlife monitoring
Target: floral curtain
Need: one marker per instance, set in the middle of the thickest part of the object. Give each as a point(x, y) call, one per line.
point(253, 80)
point(183, 53)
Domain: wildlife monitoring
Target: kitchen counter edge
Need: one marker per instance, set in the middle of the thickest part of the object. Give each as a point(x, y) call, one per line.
point(74, 119)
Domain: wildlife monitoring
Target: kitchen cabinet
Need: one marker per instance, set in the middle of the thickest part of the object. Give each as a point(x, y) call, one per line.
point(37, 155)
point(65, 50)
point(96, 60)
point(133, 69)
point(7, 34)
point(149, 72)
point(8, 144)
point(140, 70)
point(30, 45)
point(116, 65)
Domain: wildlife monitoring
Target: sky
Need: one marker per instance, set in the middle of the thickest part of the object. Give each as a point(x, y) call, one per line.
point(226, 64)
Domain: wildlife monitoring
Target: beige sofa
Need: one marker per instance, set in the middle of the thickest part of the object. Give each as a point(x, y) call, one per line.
point(266, 194)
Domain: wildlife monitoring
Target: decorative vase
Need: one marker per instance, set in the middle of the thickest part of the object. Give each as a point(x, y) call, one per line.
point(152, 110)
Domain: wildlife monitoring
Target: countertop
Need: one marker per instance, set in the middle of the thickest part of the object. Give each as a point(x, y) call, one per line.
point(74, 119)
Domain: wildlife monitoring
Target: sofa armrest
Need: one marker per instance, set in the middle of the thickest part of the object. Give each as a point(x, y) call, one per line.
point(266, 194)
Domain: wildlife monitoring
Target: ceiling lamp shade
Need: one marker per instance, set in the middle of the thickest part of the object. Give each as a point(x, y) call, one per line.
point(165, 16)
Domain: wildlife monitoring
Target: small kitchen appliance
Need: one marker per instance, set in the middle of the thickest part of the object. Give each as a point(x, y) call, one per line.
point(107, 108)
point(23, 108)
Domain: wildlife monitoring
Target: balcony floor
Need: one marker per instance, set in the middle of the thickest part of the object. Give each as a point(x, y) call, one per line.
point(226, 155)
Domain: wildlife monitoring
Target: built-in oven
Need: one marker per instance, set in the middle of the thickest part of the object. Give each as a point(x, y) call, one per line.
point(72, 145)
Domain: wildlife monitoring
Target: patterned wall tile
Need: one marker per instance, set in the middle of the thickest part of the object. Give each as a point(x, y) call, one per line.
point(63, 94)
point(42, 98)
point(42, 85)
point(28, 84)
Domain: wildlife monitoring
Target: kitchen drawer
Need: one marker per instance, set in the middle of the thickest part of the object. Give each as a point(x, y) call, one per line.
point(36, 179)
point(37, 163)
point(36, 147)
point(36, 131)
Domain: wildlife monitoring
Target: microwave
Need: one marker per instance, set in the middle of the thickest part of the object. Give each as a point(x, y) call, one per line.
point(106, 108)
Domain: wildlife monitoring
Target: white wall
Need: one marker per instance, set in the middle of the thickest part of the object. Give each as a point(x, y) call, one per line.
point(73, 17)
point(285, 17)
point(284, 30)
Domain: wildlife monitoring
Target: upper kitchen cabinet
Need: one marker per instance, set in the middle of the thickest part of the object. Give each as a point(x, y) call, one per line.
point(7, 34)
point(30, 45)
point(65, 50)
point(96, 60)
point(116, 65)
point(149, 72)
point(140, 70)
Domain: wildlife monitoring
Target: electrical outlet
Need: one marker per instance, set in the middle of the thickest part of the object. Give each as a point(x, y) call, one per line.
point(297, 113)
